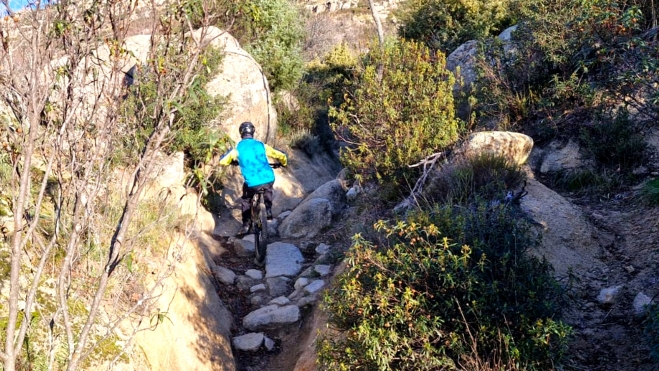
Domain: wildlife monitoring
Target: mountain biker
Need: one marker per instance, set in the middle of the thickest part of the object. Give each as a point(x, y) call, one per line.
point(252, 156)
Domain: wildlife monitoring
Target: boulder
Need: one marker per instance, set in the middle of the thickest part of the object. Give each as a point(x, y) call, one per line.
point(516, 147)
point(560, 156)
point(195, 333)
point(308, 219)
point(249, 342)
point(315, 212)
point(567, 237)
point(242, 82)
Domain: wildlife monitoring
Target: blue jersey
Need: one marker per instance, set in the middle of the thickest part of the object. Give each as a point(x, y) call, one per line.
point(252, 156)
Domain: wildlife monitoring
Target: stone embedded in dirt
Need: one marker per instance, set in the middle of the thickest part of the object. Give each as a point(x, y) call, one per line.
point(322, 249)
point(641, 301)
point(256, 288)
point(609, 294)
point(258, 299)
point(254, 274)
point(225, 275)
point(301, 282)
point(244, 283)
point(249, 342)
point(272, 227)
point(314, 286)
point(277, 286)
point(269, 343)
point(281, 300)
point(283, 259)
point(283, 215)
point(244, 247)
point(307, 300)
point(271, 317)
point(322, 269)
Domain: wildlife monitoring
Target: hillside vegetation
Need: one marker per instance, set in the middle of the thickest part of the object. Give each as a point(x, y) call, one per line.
point(448, 286)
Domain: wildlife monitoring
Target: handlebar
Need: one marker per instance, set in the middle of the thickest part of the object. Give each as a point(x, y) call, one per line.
point(274, 165)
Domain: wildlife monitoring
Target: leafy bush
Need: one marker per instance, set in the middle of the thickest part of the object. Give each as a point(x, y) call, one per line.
point(445, 25)
point(615, 141)
point(570, 59)
point(485, 176)
point(272, 31)
point(191, 132)
point(651, 191)
point(398, 110)
point(306, 141)
point(437, 284)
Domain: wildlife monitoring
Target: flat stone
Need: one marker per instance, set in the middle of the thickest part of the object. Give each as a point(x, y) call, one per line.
point(280, 300)
point(283, 259)
point(322, 249)
point(255, 288)
point(224, 275)
point(277, 286)
point(322, 269)
point(254, 274)
point(249, 342)
point(271, 317)
point(314, 286)
point(301, 282)
point(269, 343)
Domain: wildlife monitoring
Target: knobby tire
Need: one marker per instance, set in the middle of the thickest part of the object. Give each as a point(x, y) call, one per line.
point(261, 231)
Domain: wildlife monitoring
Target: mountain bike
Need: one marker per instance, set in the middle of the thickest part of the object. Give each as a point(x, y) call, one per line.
point(259, 222)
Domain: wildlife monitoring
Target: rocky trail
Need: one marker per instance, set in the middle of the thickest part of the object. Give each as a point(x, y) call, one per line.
point(271, 304)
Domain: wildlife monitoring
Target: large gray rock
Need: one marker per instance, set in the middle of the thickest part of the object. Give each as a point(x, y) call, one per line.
point(244, 85)
point(249, 342)
point(560, 156)
point(283, 259)
point(462, 62)
point(308, 219)
point(315, 212)
point(271, 317)
point(567, 236)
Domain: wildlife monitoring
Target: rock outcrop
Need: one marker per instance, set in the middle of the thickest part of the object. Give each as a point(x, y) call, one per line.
point(242, 82)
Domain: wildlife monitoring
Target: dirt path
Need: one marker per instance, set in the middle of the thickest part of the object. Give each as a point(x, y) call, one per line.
point(610, 337)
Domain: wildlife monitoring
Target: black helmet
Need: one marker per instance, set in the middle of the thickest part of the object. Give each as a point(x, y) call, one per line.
point(246, 129)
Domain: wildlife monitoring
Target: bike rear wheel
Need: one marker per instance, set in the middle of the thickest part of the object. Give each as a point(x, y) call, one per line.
point(261, 231)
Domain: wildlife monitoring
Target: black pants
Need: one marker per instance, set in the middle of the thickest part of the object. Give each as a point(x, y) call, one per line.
point(248, 192)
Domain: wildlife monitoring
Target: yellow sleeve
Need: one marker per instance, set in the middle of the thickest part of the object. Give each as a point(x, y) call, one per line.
point(226, 159)
point(276, 154)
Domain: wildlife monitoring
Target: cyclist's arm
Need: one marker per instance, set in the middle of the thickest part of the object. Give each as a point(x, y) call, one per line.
point(228, 157)
point(276, 154)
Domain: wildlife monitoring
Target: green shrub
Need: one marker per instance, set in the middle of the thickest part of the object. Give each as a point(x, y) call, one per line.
point(446, 24)
point(272, 32)
point(615, 141)
point(437, 284)
point(651, 191)
point(570, 59)
point(397, 116)
point(191, 132)
point(306, 141)
point(486, 176)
